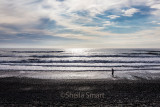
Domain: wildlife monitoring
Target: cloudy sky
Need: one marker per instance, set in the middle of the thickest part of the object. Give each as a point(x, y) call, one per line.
point(80, 23)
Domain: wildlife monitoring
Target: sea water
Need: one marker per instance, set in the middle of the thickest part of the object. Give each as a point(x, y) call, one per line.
point(80, 63)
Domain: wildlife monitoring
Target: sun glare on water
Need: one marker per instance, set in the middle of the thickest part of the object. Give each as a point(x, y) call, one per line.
point(75, 51)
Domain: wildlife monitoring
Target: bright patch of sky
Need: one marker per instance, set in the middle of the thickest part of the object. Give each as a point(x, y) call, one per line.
point(80, 23)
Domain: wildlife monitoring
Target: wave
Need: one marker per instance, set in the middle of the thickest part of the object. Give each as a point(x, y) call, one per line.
point(89, 56)
point(75, 61)
point(116, 70)
point(37, 51)
point(132, 66)
point(145, 53)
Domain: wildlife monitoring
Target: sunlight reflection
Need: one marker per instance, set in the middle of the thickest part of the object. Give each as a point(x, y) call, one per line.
point(75, 51)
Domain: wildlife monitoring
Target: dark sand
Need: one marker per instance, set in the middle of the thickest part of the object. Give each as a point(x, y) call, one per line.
point(98, 93)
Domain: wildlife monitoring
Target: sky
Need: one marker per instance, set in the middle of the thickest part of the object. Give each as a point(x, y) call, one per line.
point(79, 23)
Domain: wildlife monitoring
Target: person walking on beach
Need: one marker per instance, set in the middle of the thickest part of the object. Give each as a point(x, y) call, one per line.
point(112, 72)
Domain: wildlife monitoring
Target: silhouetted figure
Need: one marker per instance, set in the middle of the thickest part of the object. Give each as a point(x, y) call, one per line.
point(112, 72)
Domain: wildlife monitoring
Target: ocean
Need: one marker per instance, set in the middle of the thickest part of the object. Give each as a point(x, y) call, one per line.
point(80, 63)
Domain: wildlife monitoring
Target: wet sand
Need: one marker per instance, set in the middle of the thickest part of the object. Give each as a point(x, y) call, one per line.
point(38, 92)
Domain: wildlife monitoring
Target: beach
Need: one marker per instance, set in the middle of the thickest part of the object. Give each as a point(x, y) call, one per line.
point(79, 77)
point(49, 92)
point(79, 53)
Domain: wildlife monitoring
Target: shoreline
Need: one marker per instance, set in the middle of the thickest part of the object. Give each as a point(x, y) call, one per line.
point(89, 75)
point(105, 80)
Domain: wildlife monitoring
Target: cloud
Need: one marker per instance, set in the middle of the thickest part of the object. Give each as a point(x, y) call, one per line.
point(77, 19)
point(130, 12)
point(108, 23)
point(156, 6)
point(79, 36)
point(93, 7)
point(113, 16)
point(141, 39)
point(155, 22)
point(157, 11)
